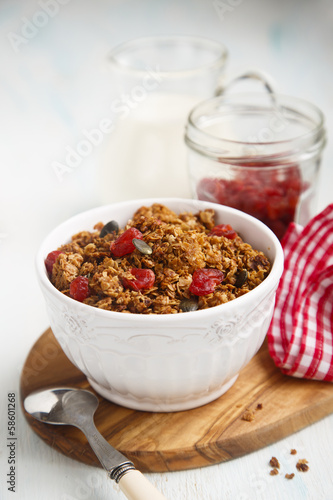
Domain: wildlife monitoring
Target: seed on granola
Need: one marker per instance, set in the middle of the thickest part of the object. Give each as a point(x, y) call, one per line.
point(293, 452)
point(241, 277)
point(142, 246)
point(110, 227)
point(188, 305)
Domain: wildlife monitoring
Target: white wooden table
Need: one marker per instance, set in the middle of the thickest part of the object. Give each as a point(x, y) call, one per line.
point(53, 85)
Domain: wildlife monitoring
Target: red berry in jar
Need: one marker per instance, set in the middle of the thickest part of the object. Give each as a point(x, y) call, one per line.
point(123, 245)
point(204, 281)
point(79, 288)
point(224, 230)
point(50, 260)
point(144, 279)
point(263, 190)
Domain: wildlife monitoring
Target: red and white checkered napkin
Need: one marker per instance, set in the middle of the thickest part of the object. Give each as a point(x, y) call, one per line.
point(300, 338)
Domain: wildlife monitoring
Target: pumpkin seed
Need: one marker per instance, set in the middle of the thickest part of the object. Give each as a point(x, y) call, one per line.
point(142, 246)
point(188, 305)
point(241, 277)
point(109, 227)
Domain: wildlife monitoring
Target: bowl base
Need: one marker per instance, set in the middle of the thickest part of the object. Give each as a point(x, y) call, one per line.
point(158, 405)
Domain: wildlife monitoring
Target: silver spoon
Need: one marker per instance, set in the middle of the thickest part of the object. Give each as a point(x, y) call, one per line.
point(66, 406)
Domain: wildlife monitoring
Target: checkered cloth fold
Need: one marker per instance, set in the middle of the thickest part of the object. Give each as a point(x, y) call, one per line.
point(300, 337)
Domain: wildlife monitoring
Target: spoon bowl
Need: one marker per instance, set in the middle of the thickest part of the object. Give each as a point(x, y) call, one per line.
point(62, 406)
point(69, 406)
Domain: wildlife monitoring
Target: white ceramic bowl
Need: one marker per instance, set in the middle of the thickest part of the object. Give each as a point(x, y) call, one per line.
point(163, 362)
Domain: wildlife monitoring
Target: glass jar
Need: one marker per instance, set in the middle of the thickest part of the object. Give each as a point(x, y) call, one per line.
point(259, 153)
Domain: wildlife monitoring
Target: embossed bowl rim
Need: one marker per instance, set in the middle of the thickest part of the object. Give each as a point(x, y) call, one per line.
point(250, 226)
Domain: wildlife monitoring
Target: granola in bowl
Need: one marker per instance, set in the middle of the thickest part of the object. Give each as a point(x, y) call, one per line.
point(160, 262)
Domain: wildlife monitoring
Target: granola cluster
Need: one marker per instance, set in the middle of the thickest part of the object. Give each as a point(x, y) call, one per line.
point(180, 245)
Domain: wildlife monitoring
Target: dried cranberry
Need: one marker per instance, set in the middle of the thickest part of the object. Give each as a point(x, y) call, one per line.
point(204, 281)
point(50, 260)
point(144, 278)
point(270, 195)
point(123, 245)
point(224, 230)
point(79, 288)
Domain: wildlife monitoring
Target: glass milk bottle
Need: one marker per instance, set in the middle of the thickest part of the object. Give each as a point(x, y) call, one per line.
point(158, 80)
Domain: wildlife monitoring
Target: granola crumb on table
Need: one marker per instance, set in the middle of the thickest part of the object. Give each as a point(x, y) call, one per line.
point(274, 463)
point(181, 244)
point(302, 465)
point(289, 476)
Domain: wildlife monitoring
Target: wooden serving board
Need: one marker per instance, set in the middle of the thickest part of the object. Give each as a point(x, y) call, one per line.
point(203, 436)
